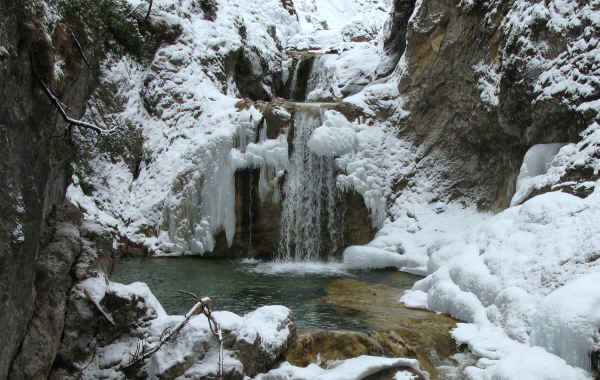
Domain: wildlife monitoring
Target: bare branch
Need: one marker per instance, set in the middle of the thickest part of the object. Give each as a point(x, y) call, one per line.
point(71, 121)
point(81, 50)
point(202, 306)
point(148, 13)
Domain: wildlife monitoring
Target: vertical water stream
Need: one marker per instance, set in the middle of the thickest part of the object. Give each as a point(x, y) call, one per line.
point(312, 216)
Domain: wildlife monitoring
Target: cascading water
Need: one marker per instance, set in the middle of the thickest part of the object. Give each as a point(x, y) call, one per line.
point(312, 216)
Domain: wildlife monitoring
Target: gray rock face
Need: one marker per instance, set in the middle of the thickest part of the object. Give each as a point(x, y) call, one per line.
point(36, 152)
point(34, 161)
point(52, 283)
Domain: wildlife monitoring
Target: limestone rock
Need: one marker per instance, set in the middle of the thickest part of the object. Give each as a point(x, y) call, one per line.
point(52, 284)
point(477, 98)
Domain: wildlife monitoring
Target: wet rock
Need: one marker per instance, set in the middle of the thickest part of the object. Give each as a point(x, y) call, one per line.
point(258, 221)
point(359, 230)
point(418, 334)
point(322, 346)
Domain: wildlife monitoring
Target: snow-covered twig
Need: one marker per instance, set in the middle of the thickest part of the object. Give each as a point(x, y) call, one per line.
point(202, 306)
point(69, 120)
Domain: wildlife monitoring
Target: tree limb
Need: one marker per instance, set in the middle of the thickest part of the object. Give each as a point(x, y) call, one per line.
point(69, 120)
point(202, 306)
point(148, 13)
point(81, 50)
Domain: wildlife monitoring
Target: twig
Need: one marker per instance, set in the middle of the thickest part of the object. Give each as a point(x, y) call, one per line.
point(81, 51)
point(78, 123)
point(148, 13)
point(202, 306)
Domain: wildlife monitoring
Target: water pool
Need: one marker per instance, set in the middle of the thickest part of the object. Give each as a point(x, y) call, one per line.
point(241, 286)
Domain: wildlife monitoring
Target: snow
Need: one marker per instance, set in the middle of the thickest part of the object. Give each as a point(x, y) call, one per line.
point(536, 163)
point(364, 257)
point(404, 375)
point(488, 83)
point(334, 138)
point(569, 320)
point(266, 322)
point(523, 278)
point(351, 369)
point(504, 275)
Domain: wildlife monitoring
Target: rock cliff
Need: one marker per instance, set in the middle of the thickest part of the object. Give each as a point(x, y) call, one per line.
point(486, 80)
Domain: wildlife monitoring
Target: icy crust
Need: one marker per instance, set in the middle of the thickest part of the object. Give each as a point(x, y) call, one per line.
point(536, 163)
point(522, 278)
point(327, 25)
point(336, 76)
point(569, 318)
point(334, 138)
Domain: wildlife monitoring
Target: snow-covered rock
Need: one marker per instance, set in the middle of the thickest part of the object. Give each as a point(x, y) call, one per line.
point(101, 343)
point(523, 278)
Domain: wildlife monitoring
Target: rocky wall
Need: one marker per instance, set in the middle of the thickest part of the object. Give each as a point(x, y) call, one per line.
point(473, 92)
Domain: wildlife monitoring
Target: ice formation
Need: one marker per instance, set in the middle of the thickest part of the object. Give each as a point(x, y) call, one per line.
point(536, 163)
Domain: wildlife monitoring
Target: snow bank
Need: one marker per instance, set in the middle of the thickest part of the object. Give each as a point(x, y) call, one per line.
point(351, 369)
point(364, 257)
point(568, 321)
point(525, 277)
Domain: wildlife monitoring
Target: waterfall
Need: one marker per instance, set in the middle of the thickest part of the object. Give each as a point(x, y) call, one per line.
point(312, 216)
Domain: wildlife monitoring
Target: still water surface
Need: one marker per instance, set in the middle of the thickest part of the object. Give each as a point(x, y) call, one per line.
point(241, 286)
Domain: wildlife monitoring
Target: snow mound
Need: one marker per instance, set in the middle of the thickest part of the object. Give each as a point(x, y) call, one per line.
point(569, 321)
point(365, 257)
point(334, 138)
point(525, 277)
point(351, 369)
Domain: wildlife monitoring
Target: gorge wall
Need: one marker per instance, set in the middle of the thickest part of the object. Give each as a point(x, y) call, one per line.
point(487, 80)
point(36, 158)
point(60, 44)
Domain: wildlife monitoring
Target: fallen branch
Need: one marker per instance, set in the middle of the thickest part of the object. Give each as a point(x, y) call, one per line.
point(202, 306)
